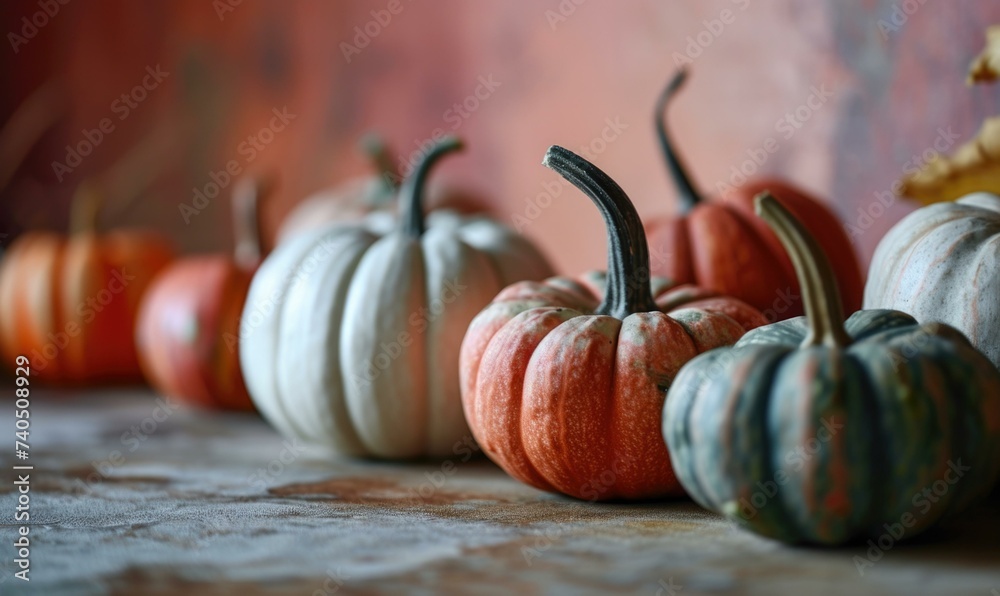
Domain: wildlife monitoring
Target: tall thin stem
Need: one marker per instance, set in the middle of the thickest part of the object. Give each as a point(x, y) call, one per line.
point(687, 193)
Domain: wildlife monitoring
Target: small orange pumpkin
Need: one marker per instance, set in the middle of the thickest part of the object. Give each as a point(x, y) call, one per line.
point(563, 381)
point(189, 320)
point(69, 303)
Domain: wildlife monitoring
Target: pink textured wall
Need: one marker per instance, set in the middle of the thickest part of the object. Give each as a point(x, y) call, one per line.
point(560, 80)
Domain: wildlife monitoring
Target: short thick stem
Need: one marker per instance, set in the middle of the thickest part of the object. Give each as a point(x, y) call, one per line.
point(820, 296)
point(84, 207)
point(628, 288)
point(381, 158)
point(411, 193)
point(686, 191)
point(249, 196)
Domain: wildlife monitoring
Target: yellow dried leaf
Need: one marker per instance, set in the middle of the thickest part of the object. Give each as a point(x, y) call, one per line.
point(985, 68)
point(974, 167)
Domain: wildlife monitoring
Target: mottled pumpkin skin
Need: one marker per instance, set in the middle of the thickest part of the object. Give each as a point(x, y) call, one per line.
point(745, 428)
point(570, 402)
point(188, 329)
point(942, 263)
point(69, 303)
point(721, 245)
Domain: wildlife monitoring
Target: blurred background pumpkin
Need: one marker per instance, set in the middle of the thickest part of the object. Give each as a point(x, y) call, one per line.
point(188, 329)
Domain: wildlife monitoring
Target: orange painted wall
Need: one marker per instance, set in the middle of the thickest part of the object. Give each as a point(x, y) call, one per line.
point(560, 80)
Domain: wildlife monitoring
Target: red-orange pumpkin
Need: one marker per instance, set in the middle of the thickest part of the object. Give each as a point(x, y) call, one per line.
point(563, 381)
point(721, 245)
point(69, 303)
point(189, 321)
point(356, 198)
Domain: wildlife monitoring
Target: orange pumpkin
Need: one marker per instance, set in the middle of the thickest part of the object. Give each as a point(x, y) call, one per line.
point(189, 321)
point(721, 245)
point(356, 198)
point(69, 303)
point(563, 381)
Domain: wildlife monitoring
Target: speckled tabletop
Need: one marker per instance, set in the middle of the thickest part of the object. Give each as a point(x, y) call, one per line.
point(130, 495)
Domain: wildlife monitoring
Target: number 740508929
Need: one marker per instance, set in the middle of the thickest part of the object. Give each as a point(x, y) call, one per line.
point(22, 393)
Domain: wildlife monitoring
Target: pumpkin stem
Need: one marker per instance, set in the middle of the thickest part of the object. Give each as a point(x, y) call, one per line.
point(411, 192)
point(628, 289)
point(84, 206)
point(249, 194)
point(687, 193)
point(820, 296)
point(374, 147)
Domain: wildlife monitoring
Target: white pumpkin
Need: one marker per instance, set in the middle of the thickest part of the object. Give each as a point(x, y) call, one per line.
point(942, 263)
point(350, 337)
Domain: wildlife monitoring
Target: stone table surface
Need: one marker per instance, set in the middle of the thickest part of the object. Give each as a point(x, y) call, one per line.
point(134, 496)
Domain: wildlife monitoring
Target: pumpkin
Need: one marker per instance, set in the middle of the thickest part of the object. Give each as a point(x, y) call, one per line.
point(354, 199)
point(189, 320)
point(350, 338)
point(720, 245)
point(812, 430)
point(563, 381)
point(940, 263)
point(69, 303)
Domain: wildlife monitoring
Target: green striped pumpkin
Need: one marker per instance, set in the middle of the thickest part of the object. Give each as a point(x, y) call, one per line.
point(812, 430)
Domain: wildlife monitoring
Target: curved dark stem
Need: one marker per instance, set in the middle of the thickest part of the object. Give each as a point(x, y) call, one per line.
point(687, 193)
point(411, 193)
point(628, 289)
point(824, 311)
point(378, 153)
